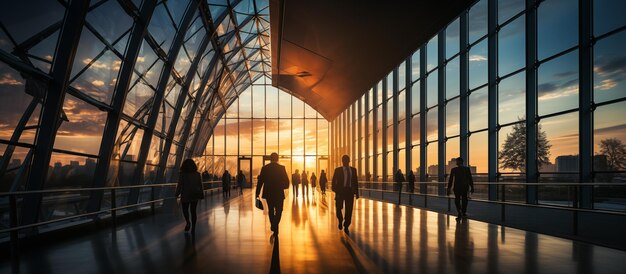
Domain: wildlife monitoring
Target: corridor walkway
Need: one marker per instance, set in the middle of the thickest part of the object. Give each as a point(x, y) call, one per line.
point(234, 237)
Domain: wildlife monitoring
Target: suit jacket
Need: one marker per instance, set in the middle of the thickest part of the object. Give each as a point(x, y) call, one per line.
point(274, 177)
point(461, 179)
point(338, 182)
point(295, 179)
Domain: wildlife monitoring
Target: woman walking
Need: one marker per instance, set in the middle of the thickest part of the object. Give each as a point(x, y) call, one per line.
point(189, 188)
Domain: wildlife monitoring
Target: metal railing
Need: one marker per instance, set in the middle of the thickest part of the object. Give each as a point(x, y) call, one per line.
point(572, 188)
point(14, 227)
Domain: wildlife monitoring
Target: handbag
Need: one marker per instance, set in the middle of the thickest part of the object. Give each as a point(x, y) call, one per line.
point(258, 204)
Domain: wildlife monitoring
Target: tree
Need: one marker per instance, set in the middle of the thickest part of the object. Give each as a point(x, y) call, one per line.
point(513, 153)
point(615, 152)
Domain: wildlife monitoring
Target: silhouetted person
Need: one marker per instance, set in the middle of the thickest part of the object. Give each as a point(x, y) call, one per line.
point(323, 182)
point(346, 187)
point(241, 180)
point(274, 180)
point(410, 178)
point(226, 184)
point(313, 183)
point(205, 176)
point(368, 177)
point(398, 178)
point(295, 181)
point(189, 188)
point(461, 181)
point(305, 183)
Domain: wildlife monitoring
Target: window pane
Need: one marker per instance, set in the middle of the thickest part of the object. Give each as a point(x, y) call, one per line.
point(478, 65)
point(508, 9)
point(432, 88)
point(610, 68)
point(558, 84)
point(478, 109)
point(609, 138)
point(432, 53)
point(431, 125)
point(478, 151)
point(512, 47)
point(512, 99)
point(453, 75)
point(477, 20)
point(557, 27)
point(452, 39)
point(562, 137)
point(415, 130)
point(608, 15)
point(453, 118)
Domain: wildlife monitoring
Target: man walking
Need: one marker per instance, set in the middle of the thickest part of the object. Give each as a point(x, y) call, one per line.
point(295, 181)
point(461, 181)
point(274, 177)
point(346, 187)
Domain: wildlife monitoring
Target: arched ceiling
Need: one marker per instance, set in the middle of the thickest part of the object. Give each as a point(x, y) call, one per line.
point(330, 52)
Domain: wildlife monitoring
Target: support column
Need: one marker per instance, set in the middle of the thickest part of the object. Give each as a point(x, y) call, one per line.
point(585, 10)
point(441, 112)
point(166, 72)
point(119, 98)
point(423, 117)
point(492, 94)
point(374, 135)
point(464, 88)
point(409, 112)
point(396, 145)
point(67, 45)
point(384, 132)
point(532, 173)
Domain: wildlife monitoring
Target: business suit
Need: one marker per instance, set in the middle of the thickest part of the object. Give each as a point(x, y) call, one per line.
point(295, 181)
point(274, 177)
point(345, 189)
point(461, 182)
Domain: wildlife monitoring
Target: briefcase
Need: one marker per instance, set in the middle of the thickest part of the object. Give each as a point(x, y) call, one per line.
point(258, 204)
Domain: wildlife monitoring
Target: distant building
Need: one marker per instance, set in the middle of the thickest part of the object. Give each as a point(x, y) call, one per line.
point(74, 163)
point(567, 163)
point(600, 162)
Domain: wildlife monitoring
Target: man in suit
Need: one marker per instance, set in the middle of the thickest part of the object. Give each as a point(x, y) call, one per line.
point(461, 179)
point(346, 187)
point(295, 181)
point(275, 179)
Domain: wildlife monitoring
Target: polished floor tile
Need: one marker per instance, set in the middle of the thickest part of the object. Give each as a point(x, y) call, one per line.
point(234, 237)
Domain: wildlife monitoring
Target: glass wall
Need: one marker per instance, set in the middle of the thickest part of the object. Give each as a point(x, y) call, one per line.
point(262, 120)
point(469, 90)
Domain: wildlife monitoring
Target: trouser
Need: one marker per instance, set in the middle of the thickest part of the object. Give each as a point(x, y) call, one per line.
point(323, 187)
point(305, 187)
point(275, 211)
point(194, 216)
point(342, 200)
point(411, 187)
point(295, 190)
point(460, 201)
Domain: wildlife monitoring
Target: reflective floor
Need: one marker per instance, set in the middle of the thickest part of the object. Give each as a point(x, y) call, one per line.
point(234, 237)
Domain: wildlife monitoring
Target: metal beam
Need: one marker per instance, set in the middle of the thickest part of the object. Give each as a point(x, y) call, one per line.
point(180, 102)
point(441, 111)
point(464, 88)
point(585, 64)
point(423, 117)
point(119, 98)
point(67, 44)
point(532, 172)
point(409, 113)
point(384, 132)
point(395, 102)
point(374, 134)
point(492, 94)
point(166, 72)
